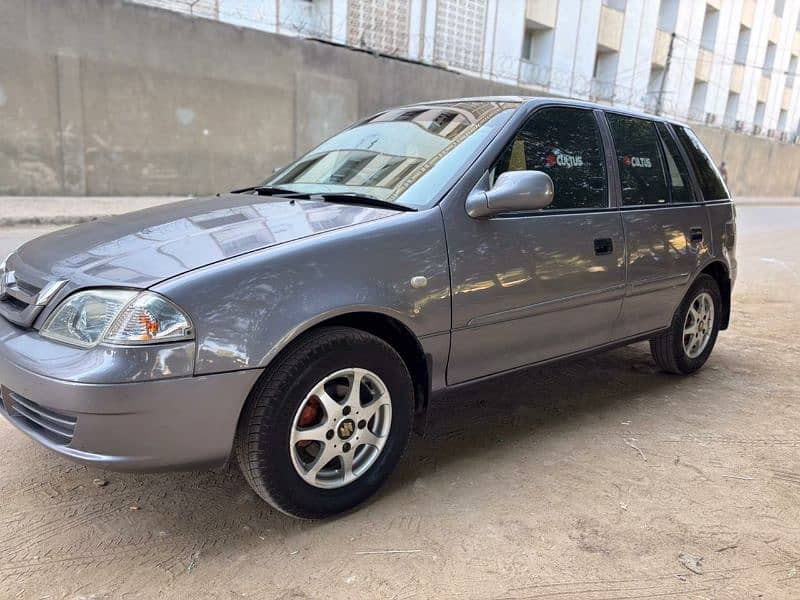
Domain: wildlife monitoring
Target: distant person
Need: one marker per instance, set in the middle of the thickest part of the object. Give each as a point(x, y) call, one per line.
point(724, 172)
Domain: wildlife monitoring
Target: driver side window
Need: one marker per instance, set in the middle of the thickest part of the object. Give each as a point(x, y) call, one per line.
point(565, 143)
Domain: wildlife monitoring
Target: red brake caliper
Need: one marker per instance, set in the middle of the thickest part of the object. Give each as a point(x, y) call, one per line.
point(310, 415)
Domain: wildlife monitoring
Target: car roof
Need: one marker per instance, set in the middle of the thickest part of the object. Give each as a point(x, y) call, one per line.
point(551, 100)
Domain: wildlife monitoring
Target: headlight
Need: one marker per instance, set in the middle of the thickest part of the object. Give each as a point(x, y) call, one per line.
point(3, 276)
point(121, 317)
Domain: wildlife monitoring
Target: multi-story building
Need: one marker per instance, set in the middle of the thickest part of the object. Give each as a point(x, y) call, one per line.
point(728, 63)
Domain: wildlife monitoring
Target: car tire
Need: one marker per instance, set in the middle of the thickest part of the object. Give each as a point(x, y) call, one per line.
point(319, 367)
point(675, 350)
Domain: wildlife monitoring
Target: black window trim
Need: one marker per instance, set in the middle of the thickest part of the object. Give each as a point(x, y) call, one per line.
point(667, 174)
point(695, 183)
point(612, 168)
point(653, 122)
point(610, 199)
point(613, 182)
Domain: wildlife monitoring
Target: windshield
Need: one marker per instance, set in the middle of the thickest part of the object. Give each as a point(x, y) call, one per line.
point(406, 156)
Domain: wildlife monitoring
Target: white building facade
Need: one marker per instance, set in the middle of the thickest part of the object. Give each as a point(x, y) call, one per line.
point(726, 63)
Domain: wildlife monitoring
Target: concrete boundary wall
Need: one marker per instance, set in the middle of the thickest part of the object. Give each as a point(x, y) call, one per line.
point(101, 97)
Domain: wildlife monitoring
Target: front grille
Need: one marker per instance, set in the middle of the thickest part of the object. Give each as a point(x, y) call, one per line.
point(55, 426)
point(27, 288)
point(18, 305)
point(18, 300)
point(21, 301)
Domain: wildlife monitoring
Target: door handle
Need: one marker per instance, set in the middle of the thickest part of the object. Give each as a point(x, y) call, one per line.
point(696, 234)
point(603, 246)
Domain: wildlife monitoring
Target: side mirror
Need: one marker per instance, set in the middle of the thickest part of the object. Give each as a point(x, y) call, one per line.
point(514, 191)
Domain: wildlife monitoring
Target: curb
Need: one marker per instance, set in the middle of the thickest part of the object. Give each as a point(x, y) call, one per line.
point(767, 203)
point(48, 220)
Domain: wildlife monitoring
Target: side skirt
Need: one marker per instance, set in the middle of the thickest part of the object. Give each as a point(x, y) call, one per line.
point(438, 395)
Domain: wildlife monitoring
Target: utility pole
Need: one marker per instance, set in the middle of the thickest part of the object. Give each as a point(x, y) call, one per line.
point(660, 100)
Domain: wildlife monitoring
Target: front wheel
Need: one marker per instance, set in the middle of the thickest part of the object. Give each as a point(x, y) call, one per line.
point(327, 423)
point(688, 343)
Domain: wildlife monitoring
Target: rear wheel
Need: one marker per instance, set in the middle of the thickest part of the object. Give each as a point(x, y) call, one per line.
point(327, 423)
point(688, 343)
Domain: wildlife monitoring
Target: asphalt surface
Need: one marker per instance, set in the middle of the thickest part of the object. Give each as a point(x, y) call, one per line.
point(596, 479)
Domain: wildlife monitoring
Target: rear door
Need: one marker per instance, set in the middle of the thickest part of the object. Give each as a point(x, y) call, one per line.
point(665, 226)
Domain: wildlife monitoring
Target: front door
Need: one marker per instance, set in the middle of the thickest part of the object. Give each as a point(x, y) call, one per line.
point(528, 287)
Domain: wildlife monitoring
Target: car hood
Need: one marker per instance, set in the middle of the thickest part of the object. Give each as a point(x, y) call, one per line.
point(142, 248)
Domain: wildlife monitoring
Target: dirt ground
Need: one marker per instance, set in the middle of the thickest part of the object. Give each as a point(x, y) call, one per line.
point(585, 480)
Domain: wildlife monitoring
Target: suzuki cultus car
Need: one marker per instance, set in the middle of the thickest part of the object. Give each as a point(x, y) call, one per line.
point(305, 325)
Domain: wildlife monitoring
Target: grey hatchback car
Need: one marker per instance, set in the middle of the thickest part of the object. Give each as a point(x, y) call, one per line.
point(306, 324)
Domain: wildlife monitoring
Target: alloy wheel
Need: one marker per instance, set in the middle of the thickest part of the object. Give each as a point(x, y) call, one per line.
point(698, 326)
point(340, 428)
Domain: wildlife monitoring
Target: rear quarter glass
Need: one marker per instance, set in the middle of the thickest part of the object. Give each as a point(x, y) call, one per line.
point(708, 176)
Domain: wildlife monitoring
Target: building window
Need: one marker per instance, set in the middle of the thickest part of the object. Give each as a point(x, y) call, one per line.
point(758, 118)
point(605, 74)
point(782, 118)
point(710, 25)
point(460, 28)
point(742, 45)
point(769, 58)
point(731, 109)
point(617, 4)
point(537, 56)
point(697, 109)
point(378, 25)
point(668, 15)
point(654, 84)
point(779, 4)
point(791, 71)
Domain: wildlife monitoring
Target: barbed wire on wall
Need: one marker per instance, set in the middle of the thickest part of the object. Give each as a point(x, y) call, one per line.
point(314, 20)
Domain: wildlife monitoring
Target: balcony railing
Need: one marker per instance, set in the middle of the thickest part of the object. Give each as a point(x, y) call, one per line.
point(531, 73)
point(602, 90)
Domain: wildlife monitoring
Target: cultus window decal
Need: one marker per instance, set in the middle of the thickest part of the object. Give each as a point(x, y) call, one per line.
point(562, 159)
point(637, 161)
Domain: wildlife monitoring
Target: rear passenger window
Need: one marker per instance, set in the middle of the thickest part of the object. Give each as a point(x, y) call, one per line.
point(640, 171)
point(708, 176)
point(565, 143)
point(677, 173)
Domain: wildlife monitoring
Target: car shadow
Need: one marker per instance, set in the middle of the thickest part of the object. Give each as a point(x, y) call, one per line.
point(160, 515)
point(538, 401)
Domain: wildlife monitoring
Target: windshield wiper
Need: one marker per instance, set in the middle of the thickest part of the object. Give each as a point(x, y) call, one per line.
point(267, 190)
point(362, 199)
point(333, 197)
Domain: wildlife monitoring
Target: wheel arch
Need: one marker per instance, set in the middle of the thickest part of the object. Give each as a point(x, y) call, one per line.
point(392, 331)
point(395, 333)
point(718, 270)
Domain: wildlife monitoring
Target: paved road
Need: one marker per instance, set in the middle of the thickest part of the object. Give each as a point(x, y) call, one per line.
point(581, 481)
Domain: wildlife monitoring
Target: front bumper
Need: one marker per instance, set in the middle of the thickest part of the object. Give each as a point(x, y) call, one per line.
point(164, 424)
